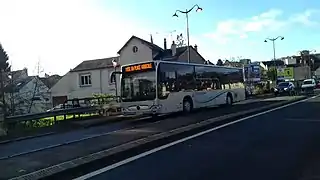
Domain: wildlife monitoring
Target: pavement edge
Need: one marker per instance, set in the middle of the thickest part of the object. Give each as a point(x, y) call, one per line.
point(64, 166)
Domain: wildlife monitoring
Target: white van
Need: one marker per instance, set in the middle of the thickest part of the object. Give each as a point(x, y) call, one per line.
point(308, 85)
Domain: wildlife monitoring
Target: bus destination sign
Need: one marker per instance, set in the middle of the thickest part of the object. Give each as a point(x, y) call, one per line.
point(139, 67)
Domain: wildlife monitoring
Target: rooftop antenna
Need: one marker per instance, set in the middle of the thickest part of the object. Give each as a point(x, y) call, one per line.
point(36, 89)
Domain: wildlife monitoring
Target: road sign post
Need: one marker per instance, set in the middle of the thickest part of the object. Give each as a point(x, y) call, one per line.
point(115, 64)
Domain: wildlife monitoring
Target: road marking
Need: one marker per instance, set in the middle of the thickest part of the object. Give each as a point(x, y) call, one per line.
point(144, 154)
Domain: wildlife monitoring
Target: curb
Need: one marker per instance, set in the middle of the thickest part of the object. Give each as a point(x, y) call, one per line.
point(76, 163)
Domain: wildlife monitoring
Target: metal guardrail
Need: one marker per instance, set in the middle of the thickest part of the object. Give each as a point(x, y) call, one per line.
point(98, 107)
point(54, 114)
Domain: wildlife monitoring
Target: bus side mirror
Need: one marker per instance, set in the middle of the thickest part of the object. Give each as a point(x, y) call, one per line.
point(113, 77)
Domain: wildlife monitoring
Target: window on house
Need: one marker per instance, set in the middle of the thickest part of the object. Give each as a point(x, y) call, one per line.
point(113, 78)
point(85, 79)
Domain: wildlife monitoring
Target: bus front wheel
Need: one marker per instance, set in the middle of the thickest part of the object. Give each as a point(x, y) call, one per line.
point(229, 100)
point(187, 105)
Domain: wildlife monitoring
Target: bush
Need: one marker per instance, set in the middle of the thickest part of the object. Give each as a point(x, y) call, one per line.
point(258, 90)
point(103, 99)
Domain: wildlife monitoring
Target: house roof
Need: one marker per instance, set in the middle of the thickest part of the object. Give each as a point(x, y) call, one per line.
point(271, 63)
point(166, 55)
point(151, 45)
point(18, 73)
point(15, 86)
point(95, 64)
point(51, 80)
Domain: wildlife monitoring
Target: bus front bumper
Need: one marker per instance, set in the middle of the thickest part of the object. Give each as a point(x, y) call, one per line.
point(140, 110)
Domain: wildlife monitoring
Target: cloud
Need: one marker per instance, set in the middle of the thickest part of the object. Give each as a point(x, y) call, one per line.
point(306, 17)
point(271, 20)
point(62, 33)
point(240, 28)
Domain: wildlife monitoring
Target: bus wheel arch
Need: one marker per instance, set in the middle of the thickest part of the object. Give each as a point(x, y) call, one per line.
point(229, 98)
point(187, 104)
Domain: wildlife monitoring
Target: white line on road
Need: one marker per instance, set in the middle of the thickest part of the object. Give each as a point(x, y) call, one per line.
point(128, 160)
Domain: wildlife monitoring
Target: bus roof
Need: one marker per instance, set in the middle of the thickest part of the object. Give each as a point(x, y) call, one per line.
point(183, 63)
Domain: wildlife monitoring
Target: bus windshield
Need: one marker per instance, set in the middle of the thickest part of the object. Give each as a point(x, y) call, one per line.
point(139, 86)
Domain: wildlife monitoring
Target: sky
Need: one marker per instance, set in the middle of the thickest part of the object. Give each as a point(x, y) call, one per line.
point(57, 35)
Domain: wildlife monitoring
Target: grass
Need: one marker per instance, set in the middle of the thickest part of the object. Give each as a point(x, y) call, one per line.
point(61, 118)
point(45, 122)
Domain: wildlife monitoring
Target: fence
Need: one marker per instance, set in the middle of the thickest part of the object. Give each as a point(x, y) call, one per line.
point(76, 109)
point(54, 114)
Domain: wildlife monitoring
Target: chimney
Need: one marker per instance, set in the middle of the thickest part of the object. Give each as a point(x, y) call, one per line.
point(173, 48)
point(165, 44)
point(151, 39)
point(196, 47)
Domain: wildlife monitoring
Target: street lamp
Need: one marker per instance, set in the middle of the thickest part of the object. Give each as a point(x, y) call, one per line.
point(274, 51)
point(115, 64)
point(199, 9)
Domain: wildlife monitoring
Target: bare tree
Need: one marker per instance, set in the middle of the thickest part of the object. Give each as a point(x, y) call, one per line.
point(219, 62)
point(180, 40)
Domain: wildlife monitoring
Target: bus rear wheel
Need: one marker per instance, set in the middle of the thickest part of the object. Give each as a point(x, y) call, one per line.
point(187, 105)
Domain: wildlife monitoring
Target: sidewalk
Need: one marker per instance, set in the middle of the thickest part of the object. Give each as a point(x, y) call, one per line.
point(259, 96)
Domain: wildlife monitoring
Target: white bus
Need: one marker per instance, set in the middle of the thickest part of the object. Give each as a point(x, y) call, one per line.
point(161, 87)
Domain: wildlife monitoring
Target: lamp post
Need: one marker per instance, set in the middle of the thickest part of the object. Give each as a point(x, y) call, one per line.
point(274, 51)
point(115, 64)
point(186, 13)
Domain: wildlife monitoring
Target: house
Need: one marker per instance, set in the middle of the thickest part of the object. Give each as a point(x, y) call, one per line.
point(27, 94)
point(137, 50)
point(93, 76)
point(88, 78)
point(245, 61)
point(276, 63)
point(15, 75)
point(233, 64)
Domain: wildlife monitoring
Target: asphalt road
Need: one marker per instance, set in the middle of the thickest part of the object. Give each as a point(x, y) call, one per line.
point(282, 144)
point(60, 138)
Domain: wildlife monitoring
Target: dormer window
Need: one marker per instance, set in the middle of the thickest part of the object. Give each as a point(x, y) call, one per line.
point(135, 49)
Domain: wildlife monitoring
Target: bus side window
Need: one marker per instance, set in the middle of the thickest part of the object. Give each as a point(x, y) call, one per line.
point(216, 83)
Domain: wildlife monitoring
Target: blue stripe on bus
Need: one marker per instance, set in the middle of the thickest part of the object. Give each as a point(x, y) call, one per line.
point(212, 98)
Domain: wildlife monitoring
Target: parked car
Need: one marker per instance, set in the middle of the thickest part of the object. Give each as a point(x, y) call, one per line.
point(317, 84)
point(60, 107)
point(308, 85)
point(284, 88)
